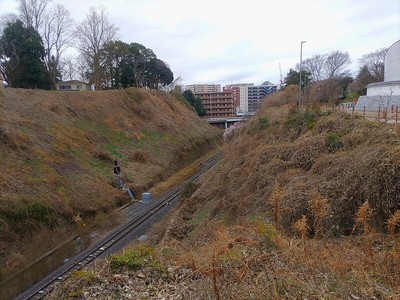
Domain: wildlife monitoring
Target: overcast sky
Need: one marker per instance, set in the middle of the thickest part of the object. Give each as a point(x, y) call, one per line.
point(226, 42)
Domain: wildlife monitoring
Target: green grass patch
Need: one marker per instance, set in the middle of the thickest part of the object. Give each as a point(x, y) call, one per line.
point(113, 150)
point(200, 215)
point(83, 275)
point(134, 259)
point(25, 215)
point(37, 167)
point(153, 143)
point(100, 167)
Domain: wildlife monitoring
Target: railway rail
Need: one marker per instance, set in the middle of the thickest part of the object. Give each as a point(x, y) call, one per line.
point(40, 290)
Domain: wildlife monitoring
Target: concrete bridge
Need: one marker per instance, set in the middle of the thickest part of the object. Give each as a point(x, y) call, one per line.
point(225, 122)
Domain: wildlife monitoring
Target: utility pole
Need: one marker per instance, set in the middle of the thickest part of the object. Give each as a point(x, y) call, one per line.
point(301, 57)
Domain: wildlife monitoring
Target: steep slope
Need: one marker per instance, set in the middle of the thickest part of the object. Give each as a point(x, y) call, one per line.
point(57, 151)
point(344, 158)
point(304, 205)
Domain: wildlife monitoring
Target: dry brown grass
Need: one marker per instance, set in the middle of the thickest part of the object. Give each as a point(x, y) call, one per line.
point(237, 263)
point(320, 190)
point(363, 218)
point(393, 222)
point(275, 200)
point(319, 208)
point(327, 164)
point(56, 152)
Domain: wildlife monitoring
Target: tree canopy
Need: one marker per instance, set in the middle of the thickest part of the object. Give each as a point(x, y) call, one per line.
point(93, 34)
point(293, 77)
point(21, 57)
point(195, 101)
point(133, 65)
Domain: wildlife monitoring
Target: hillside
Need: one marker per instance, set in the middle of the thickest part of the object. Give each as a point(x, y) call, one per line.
point(57, 151)
point(305, 205)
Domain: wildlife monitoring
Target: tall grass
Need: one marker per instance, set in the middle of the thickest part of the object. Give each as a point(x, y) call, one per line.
point(319, 208)
point(57, 148)
point(275, 200)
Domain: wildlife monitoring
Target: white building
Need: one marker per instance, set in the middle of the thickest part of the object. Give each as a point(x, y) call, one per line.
point(72, 85)
point(387, 93)
point(392, 63)
point(244, 96)
point(203, 88)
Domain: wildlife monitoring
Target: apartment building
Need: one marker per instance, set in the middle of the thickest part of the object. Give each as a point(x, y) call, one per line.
point(257, 94)
point(218, 104)
point(235, 95)
point(204, 88)
point(243, 95)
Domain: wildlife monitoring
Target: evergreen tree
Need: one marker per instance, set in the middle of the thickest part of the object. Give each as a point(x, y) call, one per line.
point(293, 77)
point(21, 59)
point(195, 102)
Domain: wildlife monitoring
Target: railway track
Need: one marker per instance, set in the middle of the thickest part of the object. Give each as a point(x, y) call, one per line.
point(40, 290)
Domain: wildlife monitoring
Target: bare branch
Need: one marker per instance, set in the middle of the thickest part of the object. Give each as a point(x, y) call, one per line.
point(32, 12)
point(57, 37)
point(92, 34)
point(335, 64)
point(374, 62)
point(315, 66)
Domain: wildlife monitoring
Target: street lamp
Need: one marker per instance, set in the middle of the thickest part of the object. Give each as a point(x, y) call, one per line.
point(301, 56)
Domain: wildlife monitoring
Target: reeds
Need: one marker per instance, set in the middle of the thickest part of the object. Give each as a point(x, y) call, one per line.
point(319, 208)
point(393, 223)
point(363, 218)
point(301, 227)
point(275, 200)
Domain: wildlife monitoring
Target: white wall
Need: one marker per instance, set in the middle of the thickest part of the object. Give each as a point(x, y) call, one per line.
point(384, 89)
point(392, 63)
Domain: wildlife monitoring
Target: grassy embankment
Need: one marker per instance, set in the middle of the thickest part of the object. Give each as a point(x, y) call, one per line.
point(305, 205)
point(56, 152)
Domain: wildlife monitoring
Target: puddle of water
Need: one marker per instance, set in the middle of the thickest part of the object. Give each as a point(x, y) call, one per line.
point(22, 280)
point(25, 279)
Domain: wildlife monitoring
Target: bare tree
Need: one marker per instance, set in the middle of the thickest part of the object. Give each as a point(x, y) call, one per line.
point(335, 64)
point(32, 12)
point(69, 68)
point(55, 28)
point(57, 37)
point(5, 19)
point(92, 34)
point(374, 63)
point(315, 66)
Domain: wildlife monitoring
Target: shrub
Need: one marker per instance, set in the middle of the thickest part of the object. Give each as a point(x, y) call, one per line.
point(41, 212)
point(333, 142)
point(263, 122)
point(299, 120)
point(188, 190)
point(351, 97)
